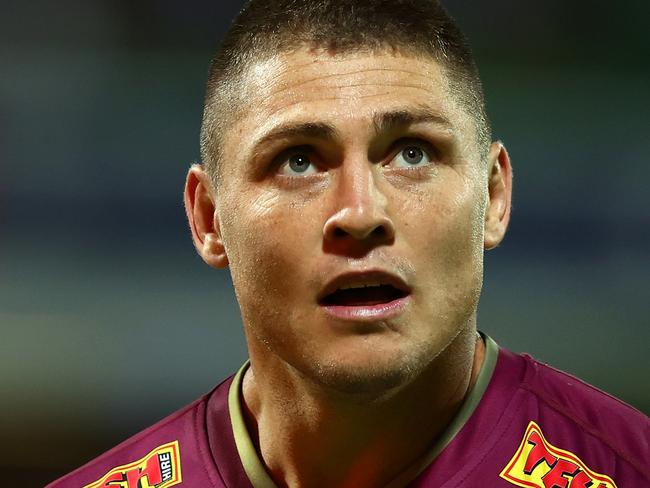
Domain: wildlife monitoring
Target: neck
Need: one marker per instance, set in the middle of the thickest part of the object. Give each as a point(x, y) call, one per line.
point(310, 437)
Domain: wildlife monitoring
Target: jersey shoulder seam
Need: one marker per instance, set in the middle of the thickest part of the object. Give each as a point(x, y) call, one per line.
point(582, 382)
point(201, 439)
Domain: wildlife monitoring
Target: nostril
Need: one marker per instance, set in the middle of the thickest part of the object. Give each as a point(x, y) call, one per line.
point(379, 231)
point(351, 224)
point(338, 232)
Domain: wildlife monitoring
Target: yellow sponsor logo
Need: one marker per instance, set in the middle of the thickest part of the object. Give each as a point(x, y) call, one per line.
point(161, 468)
point(539, 464)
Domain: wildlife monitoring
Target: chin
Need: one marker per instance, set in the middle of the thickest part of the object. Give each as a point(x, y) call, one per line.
point(369, 373)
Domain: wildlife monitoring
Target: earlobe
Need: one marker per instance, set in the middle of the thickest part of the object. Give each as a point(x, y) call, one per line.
point(497, 213)
point(201, 213)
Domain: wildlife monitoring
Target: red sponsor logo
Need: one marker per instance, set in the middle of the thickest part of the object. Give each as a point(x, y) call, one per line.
point(539, 464)
point(161, 468)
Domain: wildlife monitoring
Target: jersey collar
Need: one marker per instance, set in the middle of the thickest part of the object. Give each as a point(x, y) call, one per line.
point(260, 478)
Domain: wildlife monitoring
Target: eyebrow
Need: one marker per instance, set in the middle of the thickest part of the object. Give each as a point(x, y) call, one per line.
point(382, 122)
point(388, 121)
point(315, 130)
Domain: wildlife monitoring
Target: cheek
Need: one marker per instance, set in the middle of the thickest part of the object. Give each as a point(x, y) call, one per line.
point(271, 276)
point(447, 240)
point(269, 255)
point(448, 222)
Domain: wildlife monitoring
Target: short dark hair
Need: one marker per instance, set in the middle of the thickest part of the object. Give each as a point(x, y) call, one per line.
point(265, 28)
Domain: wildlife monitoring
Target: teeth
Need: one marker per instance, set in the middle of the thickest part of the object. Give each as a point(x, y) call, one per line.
point(363, 285)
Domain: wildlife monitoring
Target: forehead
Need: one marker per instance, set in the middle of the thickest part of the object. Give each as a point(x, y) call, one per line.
point(307, 75)
point(343, 90)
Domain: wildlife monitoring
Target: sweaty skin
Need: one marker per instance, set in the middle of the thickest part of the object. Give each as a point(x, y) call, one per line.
point(314, 183)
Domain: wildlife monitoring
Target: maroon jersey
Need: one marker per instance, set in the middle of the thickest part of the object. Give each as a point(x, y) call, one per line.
point(523, 424)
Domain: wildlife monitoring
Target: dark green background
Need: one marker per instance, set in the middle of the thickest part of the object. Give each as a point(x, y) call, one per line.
point(109, 320)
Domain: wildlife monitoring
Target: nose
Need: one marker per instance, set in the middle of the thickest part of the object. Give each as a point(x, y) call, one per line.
point(360, 209)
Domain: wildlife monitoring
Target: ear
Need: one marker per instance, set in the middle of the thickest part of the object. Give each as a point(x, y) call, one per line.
point(497, 212)
point(201, 212)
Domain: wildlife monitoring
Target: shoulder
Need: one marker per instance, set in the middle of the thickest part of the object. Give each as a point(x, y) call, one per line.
point(161, 454)
point(615, 422)
point(577, 416)
point(156, 449)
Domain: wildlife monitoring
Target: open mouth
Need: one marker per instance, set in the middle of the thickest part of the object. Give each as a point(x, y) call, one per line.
point(364, 295)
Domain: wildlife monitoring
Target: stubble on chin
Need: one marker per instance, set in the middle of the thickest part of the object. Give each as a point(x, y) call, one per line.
point(371, 377)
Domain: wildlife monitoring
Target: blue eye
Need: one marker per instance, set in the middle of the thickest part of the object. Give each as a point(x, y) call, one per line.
point(298, 164)
point(412, 156)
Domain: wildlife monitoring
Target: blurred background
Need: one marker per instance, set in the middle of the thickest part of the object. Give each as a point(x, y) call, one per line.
point(108, 319)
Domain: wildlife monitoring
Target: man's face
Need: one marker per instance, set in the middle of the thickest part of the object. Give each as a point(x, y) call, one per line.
point(351, 206)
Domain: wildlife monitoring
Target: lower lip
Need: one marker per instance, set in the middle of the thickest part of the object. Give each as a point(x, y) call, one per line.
point(379, 311)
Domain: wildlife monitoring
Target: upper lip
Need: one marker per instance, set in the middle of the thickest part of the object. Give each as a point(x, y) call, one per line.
point(353, 278)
